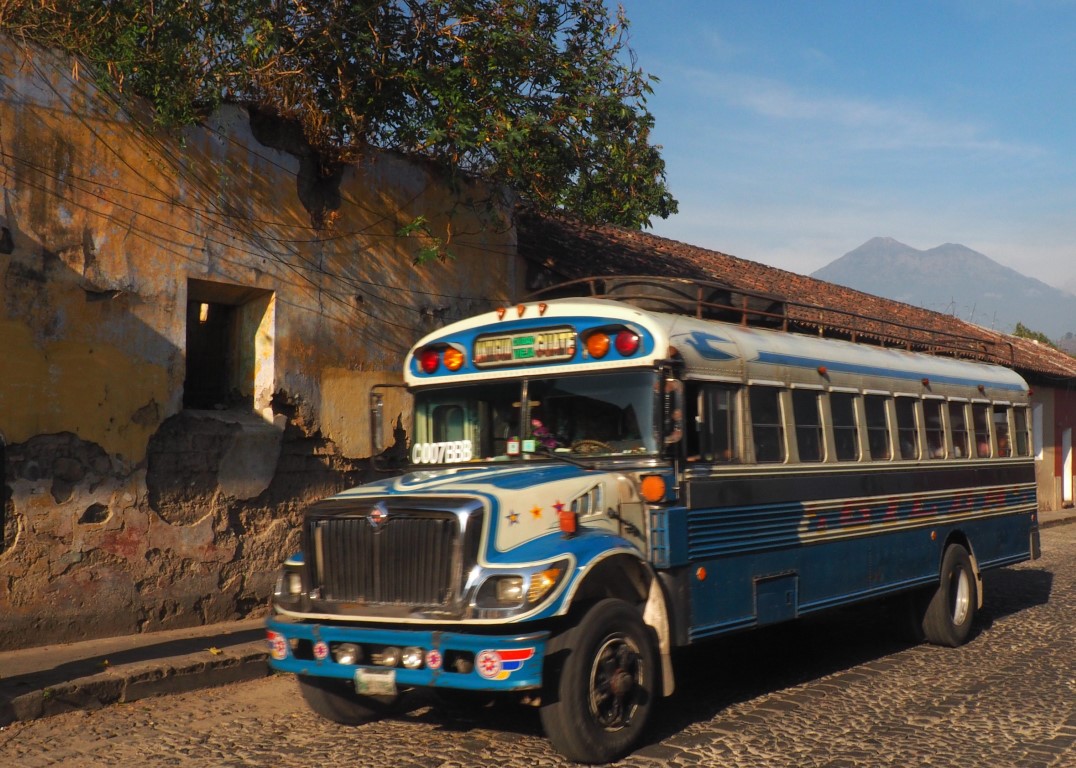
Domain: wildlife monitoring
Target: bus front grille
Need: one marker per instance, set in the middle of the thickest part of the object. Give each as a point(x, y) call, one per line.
point(403, 560)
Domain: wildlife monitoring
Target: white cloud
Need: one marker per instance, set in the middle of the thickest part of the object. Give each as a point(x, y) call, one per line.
point(861, 123)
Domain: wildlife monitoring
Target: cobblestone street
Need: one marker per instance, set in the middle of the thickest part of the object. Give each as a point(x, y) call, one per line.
point(833, 691)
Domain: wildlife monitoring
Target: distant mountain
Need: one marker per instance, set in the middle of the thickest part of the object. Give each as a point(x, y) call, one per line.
point(955, 280)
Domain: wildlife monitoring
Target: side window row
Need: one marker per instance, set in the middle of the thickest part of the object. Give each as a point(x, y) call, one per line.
point(878, 427)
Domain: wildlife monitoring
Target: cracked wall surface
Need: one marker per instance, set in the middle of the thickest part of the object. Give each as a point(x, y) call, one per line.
point(120, 510)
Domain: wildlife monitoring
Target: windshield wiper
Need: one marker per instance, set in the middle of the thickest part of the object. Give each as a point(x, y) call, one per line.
point(566, 459)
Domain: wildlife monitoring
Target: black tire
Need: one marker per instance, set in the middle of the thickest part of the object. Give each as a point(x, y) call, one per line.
point(337, 701)
point(604, 692)
point(948, 617)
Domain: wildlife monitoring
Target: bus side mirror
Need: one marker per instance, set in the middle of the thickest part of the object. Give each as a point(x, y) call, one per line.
point(673, 407)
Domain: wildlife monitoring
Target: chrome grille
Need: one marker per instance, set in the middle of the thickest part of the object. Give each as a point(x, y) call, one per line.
point(408, 559)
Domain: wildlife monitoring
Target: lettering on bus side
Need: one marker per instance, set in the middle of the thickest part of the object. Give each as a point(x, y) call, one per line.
point(442, 453)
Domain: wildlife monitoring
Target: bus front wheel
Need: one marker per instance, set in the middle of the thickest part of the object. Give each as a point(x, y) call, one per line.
point(605, 691)
point(950, 612)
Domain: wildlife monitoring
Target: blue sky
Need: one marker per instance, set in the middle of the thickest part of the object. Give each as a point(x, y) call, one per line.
point(795, 131)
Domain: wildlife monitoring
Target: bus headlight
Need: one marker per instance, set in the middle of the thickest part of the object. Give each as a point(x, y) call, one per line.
point(508, 591)
point(289, 586)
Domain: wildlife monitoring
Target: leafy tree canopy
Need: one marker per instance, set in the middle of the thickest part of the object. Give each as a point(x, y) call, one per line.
point(1023, 332)
point(544, 96)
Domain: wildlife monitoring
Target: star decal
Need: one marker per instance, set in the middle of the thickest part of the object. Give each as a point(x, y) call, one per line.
point(513, 518)
point(536, 512)
point(559, 506)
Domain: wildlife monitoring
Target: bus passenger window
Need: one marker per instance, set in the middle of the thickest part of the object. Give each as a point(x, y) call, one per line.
point(766, 428)
point(1023, 441)
point(843, 407)
point(958, 422)
point(718, 423)
point(877, 427)
point(980, 421)
point(932, 417)
point(805, 413)
point(906, 430)
point(1001, 430)
point(447, 423)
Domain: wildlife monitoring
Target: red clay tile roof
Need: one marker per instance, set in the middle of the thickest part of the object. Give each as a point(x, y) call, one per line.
point(559, 249)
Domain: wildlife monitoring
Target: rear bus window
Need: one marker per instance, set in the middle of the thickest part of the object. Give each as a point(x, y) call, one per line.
point(980, 419)
point(1001, 431)
point(1023, 438)
point(877, 427)
point(766, 428)
point(907, 433)
point(958, 422)
point(845, 437)
point(718, 426)
point(932, 420)
point(808, 420)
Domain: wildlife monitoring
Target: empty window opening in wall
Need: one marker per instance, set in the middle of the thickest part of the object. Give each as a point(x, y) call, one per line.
point(229, 350)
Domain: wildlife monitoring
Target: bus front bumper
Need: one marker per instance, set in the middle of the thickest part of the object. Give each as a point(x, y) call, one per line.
point(446, 659)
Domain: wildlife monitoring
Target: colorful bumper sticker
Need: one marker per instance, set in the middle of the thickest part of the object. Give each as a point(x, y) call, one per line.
point(278, 646)
point(499, 665)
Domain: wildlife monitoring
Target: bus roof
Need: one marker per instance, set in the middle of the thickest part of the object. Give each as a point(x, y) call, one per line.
point(553, 338)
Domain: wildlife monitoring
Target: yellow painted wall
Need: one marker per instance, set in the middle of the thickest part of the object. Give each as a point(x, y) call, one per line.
point(129, 513)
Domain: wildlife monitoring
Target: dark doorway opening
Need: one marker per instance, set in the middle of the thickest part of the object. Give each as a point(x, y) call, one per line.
point(210, 341)
point(229, 346)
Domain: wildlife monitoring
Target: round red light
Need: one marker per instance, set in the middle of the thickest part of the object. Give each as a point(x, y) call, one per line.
point(627, 343)
point(428, 360)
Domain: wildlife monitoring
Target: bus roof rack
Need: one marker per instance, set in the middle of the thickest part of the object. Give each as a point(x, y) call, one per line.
point(711, 300)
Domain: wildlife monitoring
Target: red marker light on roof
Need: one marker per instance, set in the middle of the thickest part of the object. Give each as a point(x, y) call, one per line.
point(428, 360)
point(627, 343)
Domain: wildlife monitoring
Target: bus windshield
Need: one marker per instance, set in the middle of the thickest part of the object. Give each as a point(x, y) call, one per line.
point(593, 415)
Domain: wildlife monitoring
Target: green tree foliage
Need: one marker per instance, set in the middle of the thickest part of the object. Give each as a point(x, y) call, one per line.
point(544, 96)
point(1023, 332)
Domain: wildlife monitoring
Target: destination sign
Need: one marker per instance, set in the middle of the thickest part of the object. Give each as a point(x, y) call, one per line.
point(551, 345)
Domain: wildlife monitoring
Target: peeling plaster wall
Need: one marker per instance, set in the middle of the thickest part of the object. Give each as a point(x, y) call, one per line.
point(121, 511)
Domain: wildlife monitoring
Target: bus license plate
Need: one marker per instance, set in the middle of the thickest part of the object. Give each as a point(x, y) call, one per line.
point(375, 682)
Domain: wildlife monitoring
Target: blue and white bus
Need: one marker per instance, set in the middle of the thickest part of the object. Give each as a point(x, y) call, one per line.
point(594, 482)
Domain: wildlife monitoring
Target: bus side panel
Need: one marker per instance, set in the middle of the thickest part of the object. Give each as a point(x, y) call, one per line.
point(751, 564)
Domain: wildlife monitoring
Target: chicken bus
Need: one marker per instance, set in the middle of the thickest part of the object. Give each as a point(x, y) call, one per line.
point(595, 480)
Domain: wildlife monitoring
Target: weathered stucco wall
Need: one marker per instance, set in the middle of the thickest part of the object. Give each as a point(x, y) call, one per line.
point(123, 511)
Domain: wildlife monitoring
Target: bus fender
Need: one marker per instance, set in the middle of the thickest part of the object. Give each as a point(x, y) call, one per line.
point(656, 616)
point(620, 572)
point(962, 540)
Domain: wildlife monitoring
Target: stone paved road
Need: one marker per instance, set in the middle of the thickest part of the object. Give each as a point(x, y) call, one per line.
point(831, 692)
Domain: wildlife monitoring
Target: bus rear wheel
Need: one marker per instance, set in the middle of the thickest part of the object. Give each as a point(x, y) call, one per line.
point(605, 691)
point(950, 612)
point(337, 701)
